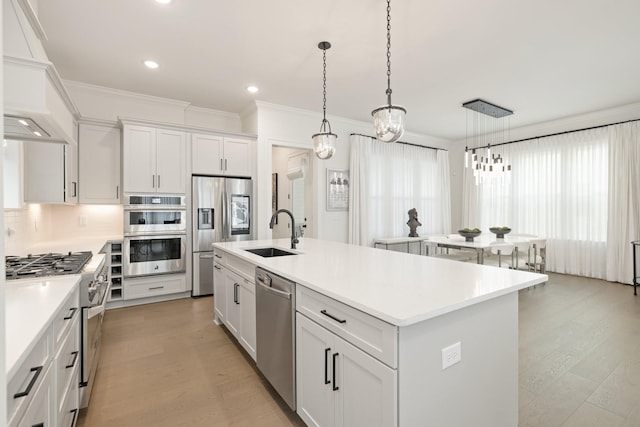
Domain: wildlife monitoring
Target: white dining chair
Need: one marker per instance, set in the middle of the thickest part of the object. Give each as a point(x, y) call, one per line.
point(501, 255)
point(538, 253)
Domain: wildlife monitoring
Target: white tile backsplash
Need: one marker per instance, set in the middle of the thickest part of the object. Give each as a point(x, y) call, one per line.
point(37, 223)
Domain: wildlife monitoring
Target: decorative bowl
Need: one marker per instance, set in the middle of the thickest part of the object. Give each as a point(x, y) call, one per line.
point(469, 233)
point(500, 231)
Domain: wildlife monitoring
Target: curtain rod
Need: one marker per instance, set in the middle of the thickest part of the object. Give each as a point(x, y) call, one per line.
point(555, 134)
point(401, 142)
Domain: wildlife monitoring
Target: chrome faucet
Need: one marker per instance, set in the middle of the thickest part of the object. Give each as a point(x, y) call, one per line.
point(294, 240)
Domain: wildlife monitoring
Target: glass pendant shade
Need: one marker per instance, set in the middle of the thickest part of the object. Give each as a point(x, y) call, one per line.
point(324, 144)
point(388, 122)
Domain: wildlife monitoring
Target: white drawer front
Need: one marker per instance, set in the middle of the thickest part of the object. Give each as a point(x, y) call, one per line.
point(240, 266)
point(68, 415)
point(154, 285)
point(67, 361)
point(34, 366)
point(40, 409)
point(374, 336)
point(66, 316)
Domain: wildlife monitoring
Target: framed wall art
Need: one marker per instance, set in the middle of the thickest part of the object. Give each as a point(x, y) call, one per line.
point(338, 190)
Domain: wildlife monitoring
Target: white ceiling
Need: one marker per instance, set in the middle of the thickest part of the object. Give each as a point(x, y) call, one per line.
point(544, 59)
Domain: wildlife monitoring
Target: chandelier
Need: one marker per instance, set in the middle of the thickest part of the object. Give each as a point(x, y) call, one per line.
point(388, 120)
point(490, 128)
point(324, 142)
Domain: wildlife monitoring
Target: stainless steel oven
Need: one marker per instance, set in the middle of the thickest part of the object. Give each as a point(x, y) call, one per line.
point(154, 254)
point(145, 221)
point(145, 214)
point(93, 301)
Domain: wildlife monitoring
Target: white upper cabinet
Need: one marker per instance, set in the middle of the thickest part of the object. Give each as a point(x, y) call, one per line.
point(218, 155)
point(99, 164)
point(50, 172)
point(154, 160)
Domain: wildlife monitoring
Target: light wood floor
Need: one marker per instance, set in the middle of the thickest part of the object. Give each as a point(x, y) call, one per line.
point(166, 364)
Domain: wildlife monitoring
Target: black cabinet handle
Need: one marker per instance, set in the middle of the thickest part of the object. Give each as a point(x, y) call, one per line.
point(38, 425)
point(75, 357)
point(72, 311)
point(75, 415)
point(326, 365)
point(335, 356)
point(331, 316)
point(37, 371)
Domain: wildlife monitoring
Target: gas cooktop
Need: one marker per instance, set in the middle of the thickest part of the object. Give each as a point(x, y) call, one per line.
point(51, 264)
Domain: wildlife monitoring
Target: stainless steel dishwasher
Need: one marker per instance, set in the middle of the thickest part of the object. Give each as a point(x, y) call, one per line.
point(275, 332)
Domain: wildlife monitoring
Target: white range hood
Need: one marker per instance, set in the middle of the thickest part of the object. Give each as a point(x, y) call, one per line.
point(37, 107)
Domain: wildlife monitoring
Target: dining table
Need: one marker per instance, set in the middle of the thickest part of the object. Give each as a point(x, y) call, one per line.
point(478, 244)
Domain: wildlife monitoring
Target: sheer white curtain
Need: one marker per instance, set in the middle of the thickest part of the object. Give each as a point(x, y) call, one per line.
point(557, 189)
point(624, 200)
point(389, 179)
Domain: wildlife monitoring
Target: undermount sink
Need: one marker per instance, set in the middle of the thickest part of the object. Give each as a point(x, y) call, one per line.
point(269, 252)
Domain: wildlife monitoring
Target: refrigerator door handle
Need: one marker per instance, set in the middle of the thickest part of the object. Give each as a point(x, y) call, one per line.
point(225, 216)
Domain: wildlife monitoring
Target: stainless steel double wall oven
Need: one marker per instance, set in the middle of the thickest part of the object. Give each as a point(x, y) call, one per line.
point(155, 235)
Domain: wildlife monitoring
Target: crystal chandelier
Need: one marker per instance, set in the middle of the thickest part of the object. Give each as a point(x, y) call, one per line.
point(490, 128)
point(388, 120)
point(324, 142)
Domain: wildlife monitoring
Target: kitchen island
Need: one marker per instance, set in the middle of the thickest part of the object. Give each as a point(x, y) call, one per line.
point(443, 335)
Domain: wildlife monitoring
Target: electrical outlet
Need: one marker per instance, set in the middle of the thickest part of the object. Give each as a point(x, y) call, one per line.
point(451, 355)
point(82, 219)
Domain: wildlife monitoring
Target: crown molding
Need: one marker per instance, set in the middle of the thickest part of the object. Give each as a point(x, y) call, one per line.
point(212, 111)
point(32, 18)
point(125, 93)
point(181, 127)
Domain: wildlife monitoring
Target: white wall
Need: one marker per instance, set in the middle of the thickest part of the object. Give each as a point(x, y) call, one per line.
point(25, 227)
point(596, 118)
point(285, 126)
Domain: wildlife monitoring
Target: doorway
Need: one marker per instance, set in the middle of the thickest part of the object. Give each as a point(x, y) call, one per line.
point(292, 187)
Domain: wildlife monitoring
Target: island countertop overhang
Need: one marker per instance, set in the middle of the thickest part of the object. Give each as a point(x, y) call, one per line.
point(401, 289)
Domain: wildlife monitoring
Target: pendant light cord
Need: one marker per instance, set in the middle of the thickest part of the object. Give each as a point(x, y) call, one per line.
point(389, 51)
point(324, 85)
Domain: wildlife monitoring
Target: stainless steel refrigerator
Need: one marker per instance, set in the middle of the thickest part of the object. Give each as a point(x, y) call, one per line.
point(221, 212)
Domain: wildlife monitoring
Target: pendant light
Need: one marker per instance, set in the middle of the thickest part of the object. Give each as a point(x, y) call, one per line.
point(324, 142)
point(388, 120)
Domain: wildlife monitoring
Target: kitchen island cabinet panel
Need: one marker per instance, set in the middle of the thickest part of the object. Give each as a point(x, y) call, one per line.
point(340, 385)
point(219, 295)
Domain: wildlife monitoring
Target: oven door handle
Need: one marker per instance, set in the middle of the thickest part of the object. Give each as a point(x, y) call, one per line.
point(100, 308)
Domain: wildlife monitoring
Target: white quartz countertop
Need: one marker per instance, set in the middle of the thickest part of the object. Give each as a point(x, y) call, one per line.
point(30, 305)
point(399, 288)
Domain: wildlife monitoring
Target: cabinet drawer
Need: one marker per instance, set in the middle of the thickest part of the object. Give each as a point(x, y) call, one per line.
point(68, 415)
point(66, 316)
point(237, 265)
point(66, 364)
point(29, 376)
point(153, 286)
point(372, 335)
point(39, 411)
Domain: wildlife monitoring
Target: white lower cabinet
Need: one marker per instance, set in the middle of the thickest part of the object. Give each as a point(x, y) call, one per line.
point(235, 306)
point(219, 294)
point(339, 384)
point(40, 411)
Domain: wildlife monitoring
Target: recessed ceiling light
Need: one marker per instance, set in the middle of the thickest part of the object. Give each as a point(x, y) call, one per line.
point(151, 64)
point(163, 1)
point(252, 89)
point(23, 122)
